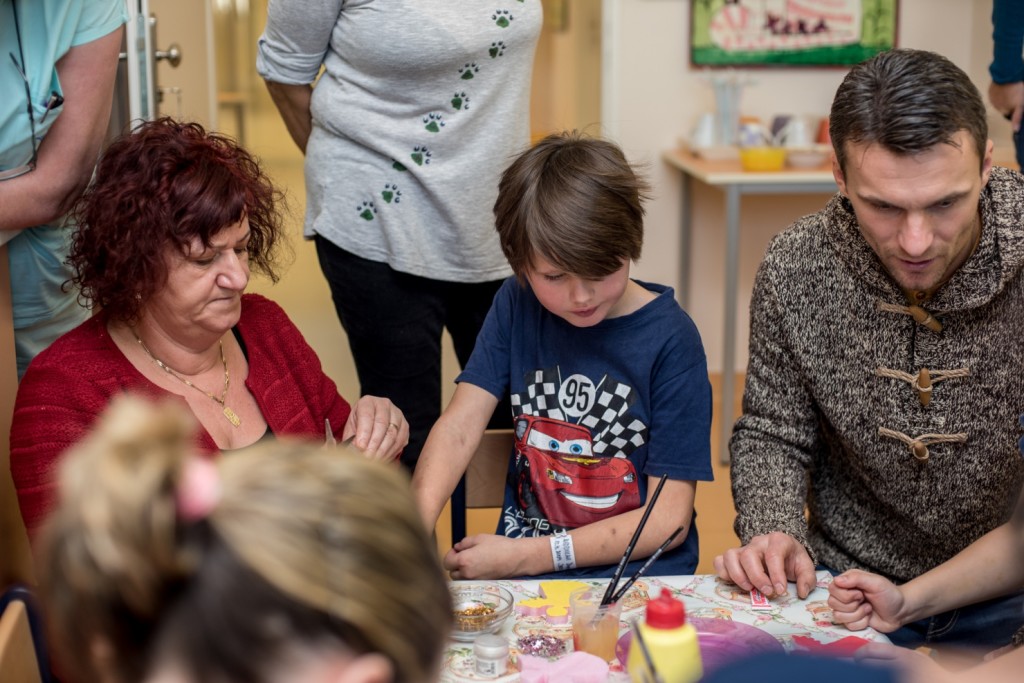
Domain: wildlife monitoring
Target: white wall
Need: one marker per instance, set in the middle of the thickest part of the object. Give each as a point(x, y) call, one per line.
point(652, 96)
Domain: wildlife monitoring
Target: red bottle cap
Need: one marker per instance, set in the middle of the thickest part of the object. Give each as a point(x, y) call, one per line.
point(665, 612)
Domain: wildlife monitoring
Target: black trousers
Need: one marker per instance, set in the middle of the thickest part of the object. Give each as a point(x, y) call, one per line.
point(394, 323)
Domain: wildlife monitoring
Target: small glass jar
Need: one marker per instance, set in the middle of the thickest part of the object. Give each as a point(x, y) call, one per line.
point(490, 653)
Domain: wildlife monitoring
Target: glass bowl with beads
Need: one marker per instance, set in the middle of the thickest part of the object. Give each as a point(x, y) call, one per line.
point(478, 609)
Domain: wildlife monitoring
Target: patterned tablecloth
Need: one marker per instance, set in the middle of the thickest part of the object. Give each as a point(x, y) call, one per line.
point(795, 623)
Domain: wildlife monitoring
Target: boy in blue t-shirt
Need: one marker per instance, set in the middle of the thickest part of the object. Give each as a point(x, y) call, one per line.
point(607, 378)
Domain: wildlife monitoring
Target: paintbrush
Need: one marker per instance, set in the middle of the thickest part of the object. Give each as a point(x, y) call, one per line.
point(606, 599)
point(647, 565)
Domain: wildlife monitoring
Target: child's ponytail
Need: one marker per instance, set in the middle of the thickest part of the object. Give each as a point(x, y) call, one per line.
point(116, 529)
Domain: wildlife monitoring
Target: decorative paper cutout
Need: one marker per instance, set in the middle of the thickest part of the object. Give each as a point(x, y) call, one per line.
point(844, 647)
point(553, 605)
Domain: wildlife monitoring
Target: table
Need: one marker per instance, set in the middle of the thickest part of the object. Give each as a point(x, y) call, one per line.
point(704, 596)
point(730, 177)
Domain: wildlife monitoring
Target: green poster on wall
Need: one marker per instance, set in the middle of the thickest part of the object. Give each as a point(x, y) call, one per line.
point(790, 32)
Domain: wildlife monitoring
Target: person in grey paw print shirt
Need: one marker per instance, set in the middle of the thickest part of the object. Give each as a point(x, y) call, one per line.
point(421, 105)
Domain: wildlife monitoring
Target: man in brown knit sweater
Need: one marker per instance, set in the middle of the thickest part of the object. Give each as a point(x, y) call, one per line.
point(886, 372)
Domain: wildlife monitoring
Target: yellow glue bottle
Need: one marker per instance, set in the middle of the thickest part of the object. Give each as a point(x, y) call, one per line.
point(671, 641)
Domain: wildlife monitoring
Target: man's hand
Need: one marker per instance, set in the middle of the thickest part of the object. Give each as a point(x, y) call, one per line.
point(768, 563)
point(489, 556)
point(1008, 99)
point(377, 428)
point(860, 599)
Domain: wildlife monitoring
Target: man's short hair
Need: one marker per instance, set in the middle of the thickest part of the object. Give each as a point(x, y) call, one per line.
point(907, 101)
point(576, 202)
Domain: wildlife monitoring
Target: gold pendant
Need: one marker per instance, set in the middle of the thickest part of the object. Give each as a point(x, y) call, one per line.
point(232, 418)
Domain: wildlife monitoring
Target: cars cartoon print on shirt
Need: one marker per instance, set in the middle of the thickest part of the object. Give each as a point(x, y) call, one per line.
point(560, 479)
point(571, 465)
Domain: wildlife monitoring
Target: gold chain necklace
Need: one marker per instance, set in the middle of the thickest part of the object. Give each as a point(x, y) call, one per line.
point(231, 415)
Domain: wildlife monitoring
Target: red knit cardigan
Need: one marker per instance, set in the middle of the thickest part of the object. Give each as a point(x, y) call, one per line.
point(69, 384)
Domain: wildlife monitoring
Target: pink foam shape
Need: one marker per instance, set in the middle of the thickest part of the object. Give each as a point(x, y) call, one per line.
point(541, 611)
point(576, 667)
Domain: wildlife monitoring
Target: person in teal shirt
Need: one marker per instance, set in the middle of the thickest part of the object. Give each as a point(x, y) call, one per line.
point(58, 62)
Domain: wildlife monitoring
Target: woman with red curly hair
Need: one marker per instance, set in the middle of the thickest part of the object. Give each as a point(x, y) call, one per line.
point(166, 237)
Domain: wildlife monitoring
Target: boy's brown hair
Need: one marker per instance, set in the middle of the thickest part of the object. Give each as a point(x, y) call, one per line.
point(574, 200)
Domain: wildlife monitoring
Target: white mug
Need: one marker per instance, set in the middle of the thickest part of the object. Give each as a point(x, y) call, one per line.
point(798, 132)
point(703, 134)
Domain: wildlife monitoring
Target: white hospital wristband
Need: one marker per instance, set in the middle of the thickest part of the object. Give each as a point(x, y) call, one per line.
point(562, 552)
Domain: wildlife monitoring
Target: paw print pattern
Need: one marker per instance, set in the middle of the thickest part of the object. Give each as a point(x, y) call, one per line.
point(391, 193)
point(366, 211)
point(502, 17)
point(467, 72)
point(433, 122)
point(398, 165)
point(421, 155)
point(497, 49)
point(460, 101)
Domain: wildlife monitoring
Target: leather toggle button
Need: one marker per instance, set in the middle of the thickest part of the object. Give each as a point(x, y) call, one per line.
point(923, 387)
point(923, 317)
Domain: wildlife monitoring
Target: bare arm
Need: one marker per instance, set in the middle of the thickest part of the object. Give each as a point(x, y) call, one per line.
point(449, 448)
point(604, 542)
point(446, 454)
point(999, 670)
point(290, 54)
point(988, 568)
point(601, 543)
point(67, 155)
point(292, 101)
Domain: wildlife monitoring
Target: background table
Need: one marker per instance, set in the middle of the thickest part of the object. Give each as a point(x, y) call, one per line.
point(704, 596)
point(730, 177)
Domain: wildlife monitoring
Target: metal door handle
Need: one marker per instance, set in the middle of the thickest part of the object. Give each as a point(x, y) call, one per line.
point(172, 54)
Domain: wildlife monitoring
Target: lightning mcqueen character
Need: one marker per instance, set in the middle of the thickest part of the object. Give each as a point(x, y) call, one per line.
point(561, 480)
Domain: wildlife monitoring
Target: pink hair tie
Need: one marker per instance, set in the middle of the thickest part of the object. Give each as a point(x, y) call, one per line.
point(198, 490)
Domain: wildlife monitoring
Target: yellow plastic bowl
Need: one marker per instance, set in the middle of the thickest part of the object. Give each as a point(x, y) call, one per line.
point(762, 158)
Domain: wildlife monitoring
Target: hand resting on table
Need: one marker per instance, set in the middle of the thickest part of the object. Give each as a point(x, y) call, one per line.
point(768, 563)
point(490, 556)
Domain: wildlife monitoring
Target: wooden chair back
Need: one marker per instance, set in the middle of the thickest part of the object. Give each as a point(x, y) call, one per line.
point(487, 471)
point(18, 663)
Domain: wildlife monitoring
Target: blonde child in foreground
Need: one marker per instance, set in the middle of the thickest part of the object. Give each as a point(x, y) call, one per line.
point(606, 375)
point(274, 564)
point(989, 568)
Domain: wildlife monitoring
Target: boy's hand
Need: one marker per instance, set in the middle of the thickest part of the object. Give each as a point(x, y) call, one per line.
point(859, 599)
point(489, 556)
point(767, 563)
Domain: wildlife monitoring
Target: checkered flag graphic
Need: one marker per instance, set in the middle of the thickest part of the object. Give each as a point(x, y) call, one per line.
point(615, 434)
point(540, 397)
